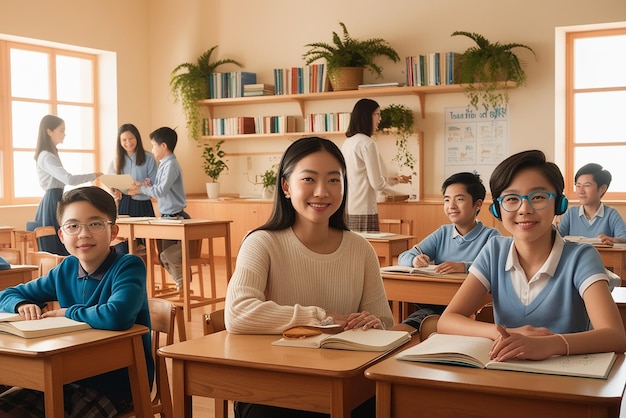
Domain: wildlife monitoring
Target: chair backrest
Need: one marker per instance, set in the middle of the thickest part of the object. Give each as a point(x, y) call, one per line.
point(396, 226)
point(11, 255)
point(44, 260)
point(40, 232)
point(485, 314)
point(213, 322)
point(428, 326)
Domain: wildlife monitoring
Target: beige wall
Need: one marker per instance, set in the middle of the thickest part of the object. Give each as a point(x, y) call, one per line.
point(151, 37)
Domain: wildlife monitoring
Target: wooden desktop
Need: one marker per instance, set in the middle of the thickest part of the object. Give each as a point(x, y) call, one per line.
point(15, 275)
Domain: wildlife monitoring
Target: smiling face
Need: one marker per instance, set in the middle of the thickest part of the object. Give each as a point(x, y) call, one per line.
point(458, 206)
point(315, 187)
point(159, 151)
point(90, 248)
point(588, 191)
point(57, 135)
point(526, 223)
point(128, 142)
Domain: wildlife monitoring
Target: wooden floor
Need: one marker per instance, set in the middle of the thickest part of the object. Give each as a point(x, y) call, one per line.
point(204, 407)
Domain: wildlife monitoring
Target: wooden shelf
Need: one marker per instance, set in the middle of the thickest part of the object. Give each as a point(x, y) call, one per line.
point(285, 135)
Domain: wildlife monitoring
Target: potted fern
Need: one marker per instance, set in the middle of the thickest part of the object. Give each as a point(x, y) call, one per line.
point(398, 120)
point(487, 67)
point(189, 83)
point(346, 58)
point(213, 165)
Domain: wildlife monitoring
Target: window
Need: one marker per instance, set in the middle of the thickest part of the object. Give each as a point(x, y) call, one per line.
point(38, 81)
point(595, 105)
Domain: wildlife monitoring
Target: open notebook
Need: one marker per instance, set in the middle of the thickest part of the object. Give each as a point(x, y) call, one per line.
point(357, 340)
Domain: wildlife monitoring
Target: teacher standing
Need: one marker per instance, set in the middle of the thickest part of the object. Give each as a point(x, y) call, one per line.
point(52, 179)
point(365, 169)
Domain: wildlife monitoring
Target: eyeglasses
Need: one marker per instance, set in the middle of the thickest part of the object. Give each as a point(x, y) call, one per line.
point(94, 227)
point(536, 200)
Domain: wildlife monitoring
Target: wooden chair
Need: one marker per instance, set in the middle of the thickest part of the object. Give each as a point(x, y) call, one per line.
point(162, 317)
point(24, 241)
point(396, 226)
point(11, 255)
point(213, 322)
point(44, 260)
point(428, 326)
point(40, 232)
point(195, 260)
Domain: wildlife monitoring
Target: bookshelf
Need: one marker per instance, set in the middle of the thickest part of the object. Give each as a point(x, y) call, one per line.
point(420, 92)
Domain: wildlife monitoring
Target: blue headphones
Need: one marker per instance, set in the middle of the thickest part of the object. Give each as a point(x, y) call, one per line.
point(560, 206)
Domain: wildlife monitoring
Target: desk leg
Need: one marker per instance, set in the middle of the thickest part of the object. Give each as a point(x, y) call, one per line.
point(180, 400)
point(150, 266)
point(53, 388)
point(186, 278)
point(138, 375)
point(338, 406)
point(227, 253)
point(221, 408)
point(383, 400)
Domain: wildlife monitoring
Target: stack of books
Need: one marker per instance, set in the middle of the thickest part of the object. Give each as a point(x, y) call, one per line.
point(258, 90)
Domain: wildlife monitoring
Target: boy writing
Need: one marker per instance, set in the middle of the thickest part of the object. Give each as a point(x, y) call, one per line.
point(553, 296)
point(593, 219)
point(452, 247)
point(93, 284)
point(168, 189)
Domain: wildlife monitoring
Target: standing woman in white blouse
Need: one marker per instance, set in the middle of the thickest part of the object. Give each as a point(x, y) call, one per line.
point(53, 178)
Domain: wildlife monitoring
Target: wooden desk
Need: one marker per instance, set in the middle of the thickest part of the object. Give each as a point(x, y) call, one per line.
point(47, 363)
point(248, 368)
point(16, 274)
point(614, 259)
point(410, 389)
point(184, 230)
point(436, 290)
point(389, 247)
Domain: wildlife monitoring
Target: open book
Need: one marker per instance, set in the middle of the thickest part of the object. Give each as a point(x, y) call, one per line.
point(121, 182)
point(15, 324)
point(428, 270)
point(357, 340)
point(474, 352)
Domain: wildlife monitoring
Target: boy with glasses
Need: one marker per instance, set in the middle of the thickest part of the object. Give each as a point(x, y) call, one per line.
point(94, 284)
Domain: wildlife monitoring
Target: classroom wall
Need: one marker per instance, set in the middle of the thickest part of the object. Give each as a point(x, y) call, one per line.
point(151, 37)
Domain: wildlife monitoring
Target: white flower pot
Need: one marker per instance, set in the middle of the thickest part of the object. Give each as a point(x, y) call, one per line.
point(213, 190)
point(268, 192)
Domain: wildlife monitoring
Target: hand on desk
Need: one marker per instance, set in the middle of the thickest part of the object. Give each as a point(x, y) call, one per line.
point(56, 312)
point(30, 311)
point(526, 343)
point(450, 267)
point(357, 320)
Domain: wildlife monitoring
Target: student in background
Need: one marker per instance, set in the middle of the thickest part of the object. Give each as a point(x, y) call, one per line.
point(592, 218)
point(132, 159)
point(93, 285)
point(304, 267)
point(168, 189)
point(553, 296)
point(53, 178)
point(452, 247)
point(366, 172)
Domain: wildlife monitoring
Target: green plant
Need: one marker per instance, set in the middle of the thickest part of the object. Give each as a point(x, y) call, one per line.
point(398, 119)
point(486, 64)
point(213, 164)
point(269, 177)
point(350, 52)
point(189, 83)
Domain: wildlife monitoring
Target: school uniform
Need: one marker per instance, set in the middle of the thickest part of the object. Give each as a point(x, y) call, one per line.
point(606, 221)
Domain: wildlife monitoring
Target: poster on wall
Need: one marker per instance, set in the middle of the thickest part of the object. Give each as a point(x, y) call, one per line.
point(475, 140)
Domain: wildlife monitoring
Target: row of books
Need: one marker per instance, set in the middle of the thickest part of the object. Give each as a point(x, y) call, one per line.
point(301, 80)
point(433, 69)
point(230, 84)
point(327, 122)
point(261, 89)
point(244, 125)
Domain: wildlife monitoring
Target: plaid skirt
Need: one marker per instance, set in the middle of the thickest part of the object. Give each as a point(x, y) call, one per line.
point(79, 401)
point(363, 223)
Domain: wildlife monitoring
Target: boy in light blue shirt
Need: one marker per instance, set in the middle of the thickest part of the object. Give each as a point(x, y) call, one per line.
point(169, 191)
point(593, 219)
point(452, 247)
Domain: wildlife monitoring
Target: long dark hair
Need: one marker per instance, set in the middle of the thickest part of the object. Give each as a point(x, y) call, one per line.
point(44, 143)
point(361, 118)
point(120, 152)
point(283, 214)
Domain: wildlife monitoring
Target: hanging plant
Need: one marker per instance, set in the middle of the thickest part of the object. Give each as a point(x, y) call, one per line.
point(398, 120)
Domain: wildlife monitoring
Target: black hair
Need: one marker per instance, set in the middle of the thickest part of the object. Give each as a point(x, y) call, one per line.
point(44, 143)
point(600, 175)
point(165, 135)
point(473, 185)
point(140, 152)
point(361, 118)
point(507, 169)
point(283, 213)
point(98, 198)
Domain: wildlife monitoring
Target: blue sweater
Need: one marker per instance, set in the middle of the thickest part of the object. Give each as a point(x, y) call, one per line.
point(113, 297)
point(610, 223)
point(443, 245)
point(559, 306)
